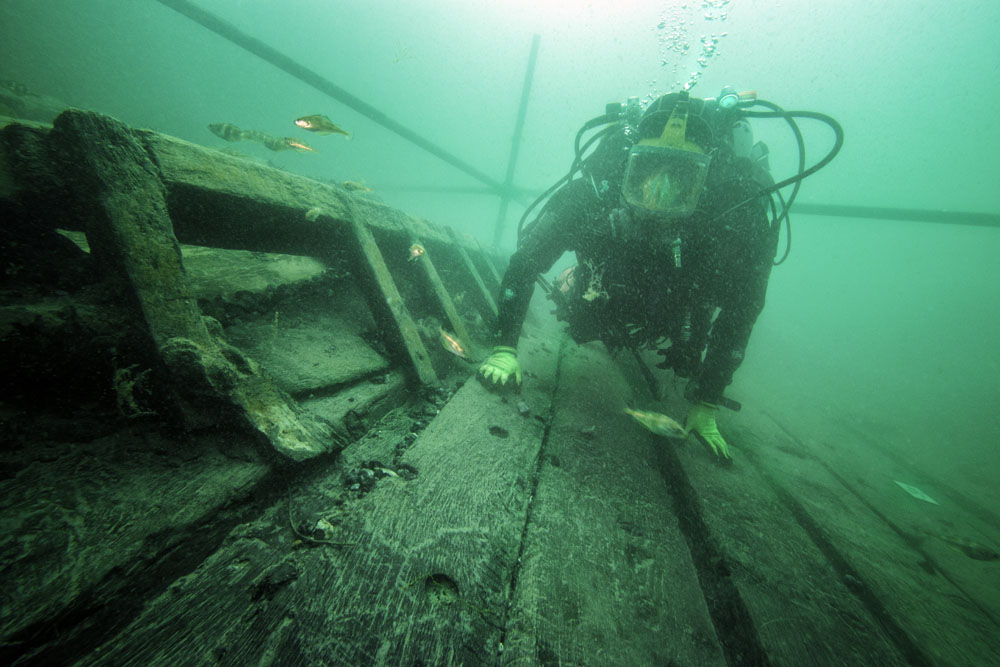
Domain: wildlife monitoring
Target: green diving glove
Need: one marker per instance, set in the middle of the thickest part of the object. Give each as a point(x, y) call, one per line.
point(701, 419)
point(500, 365)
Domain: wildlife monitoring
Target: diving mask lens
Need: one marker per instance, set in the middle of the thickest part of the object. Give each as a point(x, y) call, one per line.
point(664, 181)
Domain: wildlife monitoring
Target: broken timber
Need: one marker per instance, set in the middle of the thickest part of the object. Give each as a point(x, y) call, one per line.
point(130, 235)
point(164, 191)
point(550, 530)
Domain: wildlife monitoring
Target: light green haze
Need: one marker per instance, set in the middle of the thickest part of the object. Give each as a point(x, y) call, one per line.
point(886, 328)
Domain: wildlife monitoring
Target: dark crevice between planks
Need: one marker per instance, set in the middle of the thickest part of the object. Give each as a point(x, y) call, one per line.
point(911, 542)
point(928, 561)
point(528, 515)
point(108, 607)
point(733, 623)
point(852, 579)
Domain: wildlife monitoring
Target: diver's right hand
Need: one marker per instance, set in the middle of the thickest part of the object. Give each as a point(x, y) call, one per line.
point(701, 420)
point(500, 365)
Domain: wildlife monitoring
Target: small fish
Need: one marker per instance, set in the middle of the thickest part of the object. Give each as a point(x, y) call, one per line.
point(319, 124)
point(416, 252)
point(968, 547)
point(356, 186)
point(271, 143)
point(916, 493)
point(258, 136)
point(658, 423)
point(277, 143)
point(226, 131)
point(299, 145)
point(313, 214)
point(450, 343)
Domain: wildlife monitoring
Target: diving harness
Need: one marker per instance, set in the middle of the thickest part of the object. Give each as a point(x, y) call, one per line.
point(621, 147)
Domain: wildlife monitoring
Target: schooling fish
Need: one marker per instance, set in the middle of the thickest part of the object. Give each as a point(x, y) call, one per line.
point(658, 423)
point(319, 124)
point(227, 131)
point(416, 252)
point(281, 143)
point(297, 144)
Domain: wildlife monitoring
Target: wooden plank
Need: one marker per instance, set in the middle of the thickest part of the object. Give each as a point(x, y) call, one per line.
point(215, 272)
point(440, 291)
point(128, 229)
point(488, 306)
point(918, 523)
point(85, 523)
point(941, 606)
point(213, 198)
point(230, 202)
point(131, 237)
point(29, 178)
point(772, 591)
point(425, 578)
point(387, 304)
point(606, 576)
point(313, 353)
point(487, 271)
point(353, 410)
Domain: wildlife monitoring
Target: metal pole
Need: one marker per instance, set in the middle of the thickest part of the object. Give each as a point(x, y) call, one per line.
point(912, 214)
point(939, 216)
point(508, 183)
point(309, 77)
point(506, 189)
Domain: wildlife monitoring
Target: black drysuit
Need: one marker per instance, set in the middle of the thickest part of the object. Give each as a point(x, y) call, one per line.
point(641, 282)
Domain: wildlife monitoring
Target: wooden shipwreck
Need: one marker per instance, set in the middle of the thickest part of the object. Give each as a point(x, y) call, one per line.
point(231, 437)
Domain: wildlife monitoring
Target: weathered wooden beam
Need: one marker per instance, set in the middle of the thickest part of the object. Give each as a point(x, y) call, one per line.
point(417, 570)
point(935, 606)
point(440, 291)
point(213, 198)
point(218, 200)
point(488, 306)
point(130, 235)
point(226, 201)
point(386, 302)
point(135, 521)
point(773, 593)
point(603, 541)
point(128, 229)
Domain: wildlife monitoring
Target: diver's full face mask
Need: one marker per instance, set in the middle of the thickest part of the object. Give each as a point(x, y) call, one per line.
point(664, 181)
point(665, 176)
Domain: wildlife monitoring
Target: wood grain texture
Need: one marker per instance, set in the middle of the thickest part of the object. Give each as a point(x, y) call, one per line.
point(426, 575)
point(606, 576)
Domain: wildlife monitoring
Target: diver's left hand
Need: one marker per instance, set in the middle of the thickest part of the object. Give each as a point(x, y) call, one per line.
point(701, 419)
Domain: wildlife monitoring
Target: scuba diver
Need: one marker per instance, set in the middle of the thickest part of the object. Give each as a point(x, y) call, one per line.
point(675, 228)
